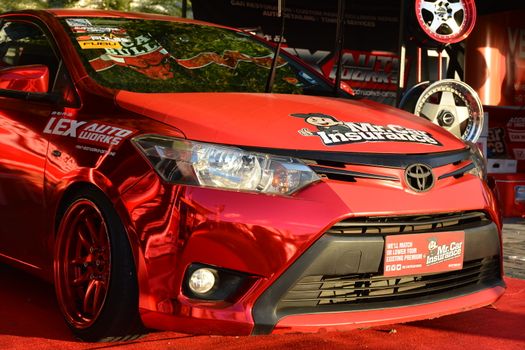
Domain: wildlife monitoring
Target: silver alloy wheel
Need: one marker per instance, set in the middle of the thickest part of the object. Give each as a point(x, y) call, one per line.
point(453, 105)
point(446, 21)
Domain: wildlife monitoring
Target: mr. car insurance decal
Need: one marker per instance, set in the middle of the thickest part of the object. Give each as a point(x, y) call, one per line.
point(333, 132)
point(423, 253)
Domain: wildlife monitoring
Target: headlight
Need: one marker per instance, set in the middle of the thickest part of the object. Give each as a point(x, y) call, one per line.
point(205, 164)
point(479, 161)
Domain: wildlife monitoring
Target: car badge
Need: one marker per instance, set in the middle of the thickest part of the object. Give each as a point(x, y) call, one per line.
point(419, 177)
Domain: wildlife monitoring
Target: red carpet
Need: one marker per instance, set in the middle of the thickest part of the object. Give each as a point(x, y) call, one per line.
point(29, 319)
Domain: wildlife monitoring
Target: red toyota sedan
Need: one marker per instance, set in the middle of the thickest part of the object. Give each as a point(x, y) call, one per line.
point(145, 171)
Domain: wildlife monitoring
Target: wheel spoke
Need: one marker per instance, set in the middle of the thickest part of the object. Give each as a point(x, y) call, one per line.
point(79, 260)
point(87, 305)
point(451, 22)
point(456, 7)
point(81, 279)
point(447, 99)
point(436, 23)
point(98, 296)
point(429, 6)
point(93, 232)
point(455, 129)
point(83, 240)
point(430, 111)
point(463, 114)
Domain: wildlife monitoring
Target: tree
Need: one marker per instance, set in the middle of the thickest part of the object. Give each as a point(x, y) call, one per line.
point(166, 7)
point(11, 5)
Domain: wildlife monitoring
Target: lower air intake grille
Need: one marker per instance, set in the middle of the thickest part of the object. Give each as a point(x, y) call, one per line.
point(316, 291)
point(411, 224)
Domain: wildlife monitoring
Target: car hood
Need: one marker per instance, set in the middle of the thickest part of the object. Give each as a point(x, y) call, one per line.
point(295, 122)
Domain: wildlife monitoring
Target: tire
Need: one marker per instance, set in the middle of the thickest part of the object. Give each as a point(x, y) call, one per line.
point(94, 271)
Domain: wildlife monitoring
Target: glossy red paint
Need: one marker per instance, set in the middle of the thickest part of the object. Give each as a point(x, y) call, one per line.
point(257, 245)
point(33, 78)
point(169, 226)
point(221, 123)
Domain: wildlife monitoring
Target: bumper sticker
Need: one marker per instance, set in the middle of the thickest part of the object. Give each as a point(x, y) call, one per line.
point(423, 253)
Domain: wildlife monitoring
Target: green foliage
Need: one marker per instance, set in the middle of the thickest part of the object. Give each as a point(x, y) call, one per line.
point(167, 7)
point(185, 41)
point(12, 5)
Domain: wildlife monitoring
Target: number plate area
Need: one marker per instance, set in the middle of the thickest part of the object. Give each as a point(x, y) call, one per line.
point(425, 253)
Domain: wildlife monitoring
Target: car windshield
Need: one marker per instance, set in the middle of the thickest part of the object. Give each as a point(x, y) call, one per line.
point(162, 56)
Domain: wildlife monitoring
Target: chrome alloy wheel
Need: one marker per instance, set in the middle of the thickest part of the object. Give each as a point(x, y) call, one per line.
point(446, 21)
point(454, 106)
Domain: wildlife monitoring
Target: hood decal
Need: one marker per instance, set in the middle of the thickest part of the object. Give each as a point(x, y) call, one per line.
point(333, 132)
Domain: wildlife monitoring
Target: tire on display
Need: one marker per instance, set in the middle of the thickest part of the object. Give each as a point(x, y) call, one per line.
point(94, 271)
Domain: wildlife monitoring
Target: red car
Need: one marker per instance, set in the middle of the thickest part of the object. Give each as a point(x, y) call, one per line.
point(144, 170)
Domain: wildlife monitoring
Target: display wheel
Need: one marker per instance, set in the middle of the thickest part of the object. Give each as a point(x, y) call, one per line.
point(453, 105)
point(446, 21)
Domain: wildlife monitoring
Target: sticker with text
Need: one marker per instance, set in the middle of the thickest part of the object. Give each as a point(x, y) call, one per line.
point(78, 22)
point(96, 133)
point(425, 253)
point(99, 44)
point(333, 132)
point(142, 54)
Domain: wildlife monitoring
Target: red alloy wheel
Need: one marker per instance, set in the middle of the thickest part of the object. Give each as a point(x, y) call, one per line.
point(82, 264)
point(446, 21)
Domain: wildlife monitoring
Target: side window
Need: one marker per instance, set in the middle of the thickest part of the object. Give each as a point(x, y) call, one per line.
point(24, 44)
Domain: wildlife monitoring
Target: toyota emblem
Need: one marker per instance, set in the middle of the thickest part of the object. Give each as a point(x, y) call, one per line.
point(419, 177)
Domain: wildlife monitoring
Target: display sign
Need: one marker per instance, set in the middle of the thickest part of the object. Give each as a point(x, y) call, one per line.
point(372, 75)
point(417, 254)
point(370, 61)
point(506, 139)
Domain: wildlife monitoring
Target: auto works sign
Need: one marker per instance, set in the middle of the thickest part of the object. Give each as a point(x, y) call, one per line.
point(370, 64)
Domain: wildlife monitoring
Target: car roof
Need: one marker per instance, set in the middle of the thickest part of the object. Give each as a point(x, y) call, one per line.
point(61, 13)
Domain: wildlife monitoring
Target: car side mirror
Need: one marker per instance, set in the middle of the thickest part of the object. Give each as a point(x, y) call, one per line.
point(31, 78)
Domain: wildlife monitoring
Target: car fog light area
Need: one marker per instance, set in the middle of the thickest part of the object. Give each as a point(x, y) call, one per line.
point(212, 283)
point(202, 281)
point(211, 165)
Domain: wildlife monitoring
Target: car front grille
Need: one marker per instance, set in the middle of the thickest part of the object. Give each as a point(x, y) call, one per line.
point(410, 224)
point(317, 291)
point(343, 270)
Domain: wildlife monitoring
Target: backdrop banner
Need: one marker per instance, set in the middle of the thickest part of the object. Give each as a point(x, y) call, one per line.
point(370, 61)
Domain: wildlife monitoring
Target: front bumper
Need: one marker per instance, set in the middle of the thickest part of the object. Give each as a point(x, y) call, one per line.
point(338, 284)
point(306, 323)
point(268, 239)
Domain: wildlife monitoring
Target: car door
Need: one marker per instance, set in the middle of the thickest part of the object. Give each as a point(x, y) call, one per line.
point(27, 100)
